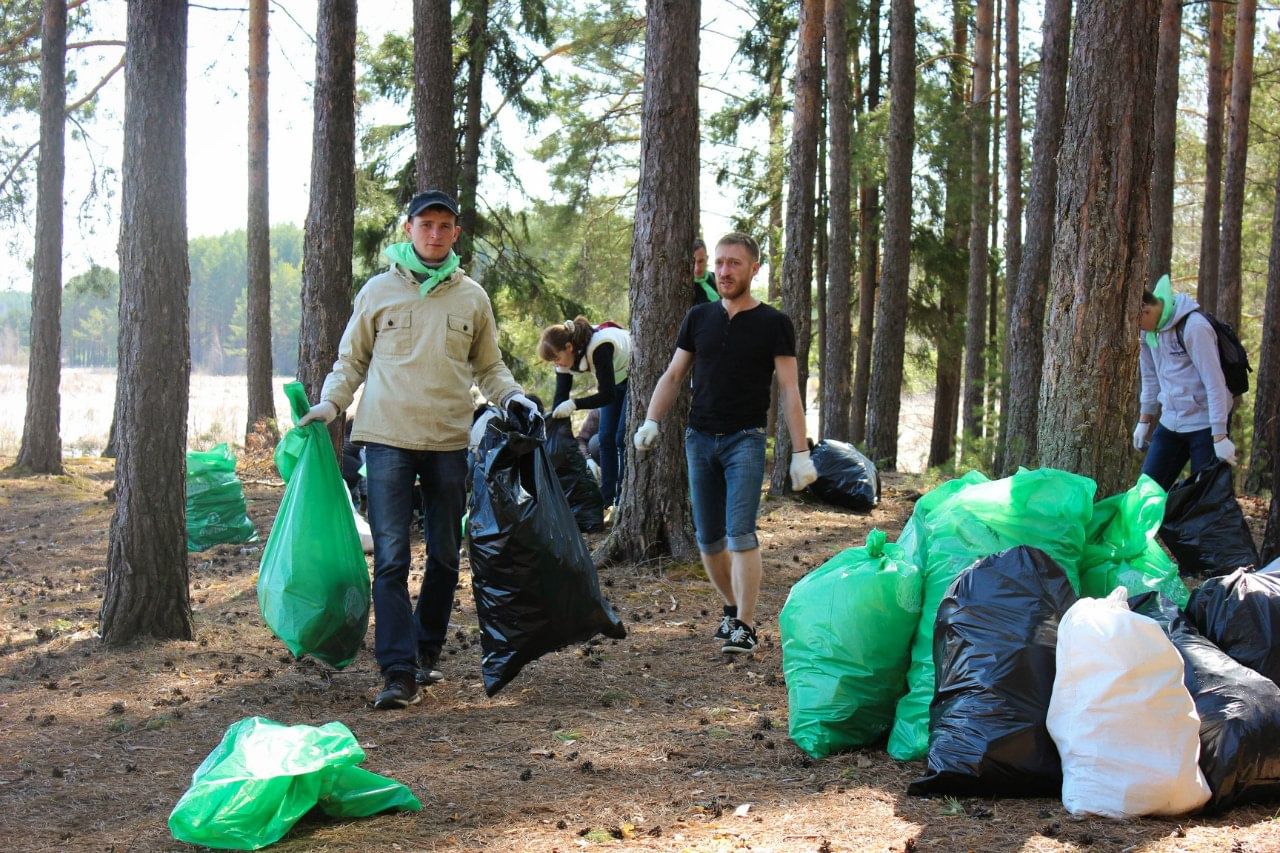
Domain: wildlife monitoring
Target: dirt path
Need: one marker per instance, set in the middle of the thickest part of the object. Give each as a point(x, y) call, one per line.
point(655, 742)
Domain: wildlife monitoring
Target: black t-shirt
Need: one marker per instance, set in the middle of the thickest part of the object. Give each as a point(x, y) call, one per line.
point(733, 363)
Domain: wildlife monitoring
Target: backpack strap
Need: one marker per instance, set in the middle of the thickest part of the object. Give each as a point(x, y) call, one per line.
point(1182, 324)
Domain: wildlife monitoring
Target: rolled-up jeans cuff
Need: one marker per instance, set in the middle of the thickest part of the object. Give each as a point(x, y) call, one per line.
point(743, 542)
point(715, 547)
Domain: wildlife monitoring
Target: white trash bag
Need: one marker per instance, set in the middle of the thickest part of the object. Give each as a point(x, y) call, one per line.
point(1121, 717)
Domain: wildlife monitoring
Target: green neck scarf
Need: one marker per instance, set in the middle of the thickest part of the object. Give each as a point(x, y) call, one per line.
point(1164, 292)
point(708, 285)
point(428, 277)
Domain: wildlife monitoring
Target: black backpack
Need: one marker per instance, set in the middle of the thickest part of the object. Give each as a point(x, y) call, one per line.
point(1231, 353)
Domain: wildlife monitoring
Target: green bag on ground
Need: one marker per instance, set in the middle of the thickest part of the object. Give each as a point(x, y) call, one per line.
point(1046, 509)
point(1121, 549)
point(216, 512)
point(313, 583)
point(264, 776)
point(846, 643)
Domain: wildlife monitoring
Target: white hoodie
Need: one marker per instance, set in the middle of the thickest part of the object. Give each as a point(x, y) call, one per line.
point(1186, 383)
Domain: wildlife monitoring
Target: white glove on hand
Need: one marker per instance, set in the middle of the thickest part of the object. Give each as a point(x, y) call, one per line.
point(647, 436)
point(1141, 436)
point(803, 474)
point(519, 401)
point(565, 409)
point(324, 411)
point(1225, 450)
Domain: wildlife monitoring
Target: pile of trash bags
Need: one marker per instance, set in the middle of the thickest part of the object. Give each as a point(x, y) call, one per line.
point(846, 478)
point(1029, 668)
point(264, 776)
point(535, 585)
point(216, 512)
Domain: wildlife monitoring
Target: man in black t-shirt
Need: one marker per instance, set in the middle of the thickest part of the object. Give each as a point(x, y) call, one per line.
point(735, 346)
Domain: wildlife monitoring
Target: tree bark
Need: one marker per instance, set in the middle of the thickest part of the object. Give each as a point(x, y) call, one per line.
point(41, 449)
point(884, 399)
point(837, 331)
point(473, 130)
point(1163, 133)
point(821, 258)
point(1227, 303)
point(1266, 401)
point(797, 258)
point(262, 408)
point(327, 244)
point(980, 209)
point(992, 360)
point(435, 162)
point(1012, 150)
point(653, 518)
point(146, 588)
point(868, 243)
point(1099, 256)
point(1021, 411)
point(1211, 221)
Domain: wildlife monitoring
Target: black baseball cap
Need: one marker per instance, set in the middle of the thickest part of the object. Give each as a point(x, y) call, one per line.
point(432, 198)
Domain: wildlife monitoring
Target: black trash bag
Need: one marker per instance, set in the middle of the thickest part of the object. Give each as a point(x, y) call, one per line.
point(846, 478)
point(1203, 526)
point(535, 586)
point(994, 643)
point(580, 488)
point(1240, 614)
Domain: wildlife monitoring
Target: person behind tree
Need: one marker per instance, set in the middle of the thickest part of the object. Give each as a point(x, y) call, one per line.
point(1181, 380)
point(704, 281)
point(419, 335)
point(735, 347)
point(574, 347)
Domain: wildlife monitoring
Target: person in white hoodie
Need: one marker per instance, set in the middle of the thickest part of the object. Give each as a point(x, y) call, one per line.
point(1182, 382)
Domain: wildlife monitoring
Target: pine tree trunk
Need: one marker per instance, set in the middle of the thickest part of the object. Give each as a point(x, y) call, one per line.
point(469, 180)
point(884, 399)
point(653, 518)
point(435, 161)
point(1227, 303)
point(837, 330)
point(262, 408)
point(1013, 205)
point(146, 588)
point(1211, 221)
point(797, 258)
point(327, 244)
point(992, 366)
point(976, 312)
point(1164, 132)
point(821, 261)
point(777, 42)
point(1020, 414)
point(1099, 256)
point(1266, 401)
point(41, 449)
point(868, 243)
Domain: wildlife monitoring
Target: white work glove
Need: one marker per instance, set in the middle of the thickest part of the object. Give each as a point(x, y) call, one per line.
point(803, 474)
point(1141, 436)
point(324, 411)
point(647, 436)
point(565, 409)
point(1225, 450)
point(519, 401)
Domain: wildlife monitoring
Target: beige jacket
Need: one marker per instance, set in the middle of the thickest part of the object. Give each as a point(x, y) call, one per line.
point(417, 357)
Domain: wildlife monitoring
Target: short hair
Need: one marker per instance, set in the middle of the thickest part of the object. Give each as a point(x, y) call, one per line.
point(1149, 298)
point(699, 243)
point(737, 238)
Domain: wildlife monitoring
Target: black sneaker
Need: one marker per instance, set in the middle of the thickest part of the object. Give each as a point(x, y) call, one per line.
point(400, 691)
point(725, 629)
point(742, 640)
point(427, 672)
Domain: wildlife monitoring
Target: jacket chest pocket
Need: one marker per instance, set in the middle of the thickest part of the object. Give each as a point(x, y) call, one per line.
point(394, 334)
point(458, 337)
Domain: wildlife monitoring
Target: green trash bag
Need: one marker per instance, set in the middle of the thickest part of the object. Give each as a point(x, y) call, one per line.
point(313, 583)
point(846, 643)
point(216, 512)
point(1121, 550)
point(264, 776)
point(1046, 509)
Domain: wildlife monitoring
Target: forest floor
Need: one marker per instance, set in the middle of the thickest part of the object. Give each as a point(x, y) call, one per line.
point(655, 742)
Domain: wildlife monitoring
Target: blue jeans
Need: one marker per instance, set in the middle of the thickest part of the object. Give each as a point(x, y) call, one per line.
point(613, 437)
point(402, 632)
point(1169, 452)
point(726, 472)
